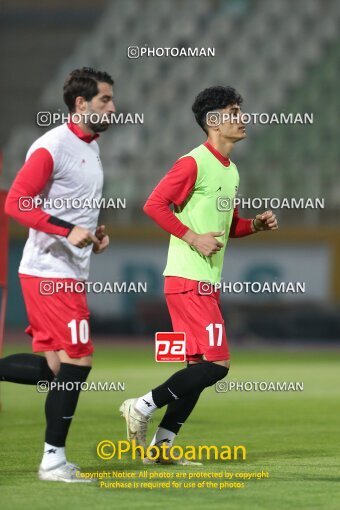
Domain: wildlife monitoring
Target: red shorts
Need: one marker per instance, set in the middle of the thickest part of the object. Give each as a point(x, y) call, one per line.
point(200, 317)
point(57, 320)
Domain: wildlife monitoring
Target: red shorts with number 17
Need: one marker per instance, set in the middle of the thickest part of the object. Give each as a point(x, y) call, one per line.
point(199, 315)
point(58, 315)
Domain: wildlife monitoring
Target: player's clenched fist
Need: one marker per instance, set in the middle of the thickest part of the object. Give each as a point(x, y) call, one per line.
point(81, 237)
point(103, 239)
point(265, 221)
point(206, 244)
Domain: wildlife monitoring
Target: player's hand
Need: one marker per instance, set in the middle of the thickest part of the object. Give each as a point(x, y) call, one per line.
point(81, 237)
point(206, 244)
point(265, 221)
point(103, 239)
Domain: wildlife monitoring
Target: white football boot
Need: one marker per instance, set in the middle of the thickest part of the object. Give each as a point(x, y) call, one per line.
point(65, 472)
point(136, 423)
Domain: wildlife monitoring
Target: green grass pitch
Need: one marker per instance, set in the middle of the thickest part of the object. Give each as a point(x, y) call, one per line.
point(293, 435)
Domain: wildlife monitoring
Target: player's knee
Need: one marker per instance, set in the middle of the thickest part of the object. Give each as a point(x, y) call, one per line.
point(214, 372)
point(53, 363)
point(54, 366)
point(85, 361)
point(81, 362)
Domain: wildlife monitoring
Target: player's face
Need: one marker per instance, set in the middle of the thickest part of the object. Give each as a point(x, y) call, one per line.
point(102, 104)
point(231, 126)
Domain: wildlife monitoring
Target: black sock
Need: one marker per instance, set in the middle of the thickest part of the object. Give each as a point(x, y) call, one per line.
point(25, 369)
point(178, 411)
point(61, 402)
point(188, 381)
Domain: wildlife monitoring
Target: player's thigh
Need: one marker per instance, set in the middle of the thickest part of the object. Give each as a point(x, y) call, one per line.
point(59, 319)
point(84, 361)
point(200, 317)
point(74, 329)
point(210, 329)
point(53, 361)
point(179, 306)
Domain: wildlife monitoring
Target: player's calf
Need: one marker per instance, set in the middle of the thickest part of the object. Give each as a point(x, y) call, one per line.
point(61, 403)
point(25, 368)
point(183, 383)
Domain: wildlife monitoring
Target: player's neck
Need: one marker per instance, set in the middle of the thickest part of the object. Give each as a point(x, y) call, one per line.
point(86, 129)
point(224, 147)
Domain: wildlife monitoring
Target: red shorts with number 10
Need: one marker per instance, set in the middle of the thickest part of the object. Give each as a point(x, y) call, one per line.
point(58, 315)
point(199, 315)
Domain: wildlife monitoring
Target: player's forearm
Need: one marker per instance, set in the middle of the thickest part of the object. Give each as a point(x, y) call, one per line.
point(242, 227)
point(161, 214)
point(190, 237)
point(35, 218)
point(174, 188)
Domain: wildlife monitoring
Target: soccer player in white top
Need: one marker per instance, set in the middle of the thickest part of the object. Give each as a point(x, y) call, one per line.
point(62, 165)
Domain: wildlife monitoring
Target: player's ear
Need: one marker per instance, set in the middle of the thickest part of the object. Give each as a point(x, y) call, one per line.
point(80, 103)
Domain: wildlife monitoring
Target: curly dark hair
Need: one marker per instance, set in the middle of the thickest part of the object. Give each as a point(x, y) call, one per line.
point(214, 98)
point(83, 82)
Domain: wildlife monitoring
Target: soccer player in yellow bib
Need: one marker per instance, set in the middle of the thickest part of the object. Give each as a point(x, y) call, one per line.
point(201, 186)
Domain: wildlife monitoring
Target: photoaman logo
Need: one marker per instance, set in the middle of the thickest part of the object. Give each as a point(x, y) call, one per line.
point(107, 450)
point(170, 346)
